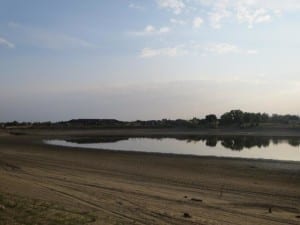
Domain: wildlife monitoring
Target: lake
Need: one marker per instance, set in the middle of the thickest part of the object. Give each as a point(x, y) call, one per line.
point(220, 146)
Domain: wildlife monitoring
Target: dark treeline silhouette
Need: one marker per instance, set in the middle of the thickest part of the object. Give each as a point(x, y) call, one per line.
point(233, 118)
point(235, 143)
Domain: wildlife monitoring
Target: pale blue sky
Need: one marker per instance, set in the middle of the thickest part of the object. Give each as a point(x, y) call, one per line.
point(150, 59)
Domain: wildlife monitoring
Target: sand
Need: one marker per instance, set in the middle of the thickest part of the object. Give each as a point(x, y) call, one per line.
point(140, 188)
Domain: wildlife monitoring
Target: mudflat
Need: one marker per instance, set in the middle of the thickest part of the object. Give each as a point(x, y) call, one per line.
point(43, 184)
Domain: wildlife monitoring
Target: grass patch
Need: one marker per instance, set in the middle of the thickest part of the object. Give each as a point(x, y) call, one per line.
point(22, 211)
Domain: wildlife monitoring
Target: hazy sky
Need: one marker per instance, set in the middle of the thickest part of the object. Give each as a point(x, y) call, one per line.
point(147, 59)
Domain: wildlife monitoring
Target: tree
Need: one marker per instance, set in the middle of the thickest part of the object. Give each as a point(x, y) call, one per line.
point(211, 120)
point(234, 117)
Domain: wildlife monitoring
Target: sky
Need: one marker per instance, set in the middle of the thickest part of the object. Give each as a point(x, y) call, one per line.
point(147, 59)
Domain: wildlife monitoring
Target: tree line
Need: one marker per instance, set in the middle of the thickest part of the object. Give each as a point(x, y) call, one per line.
point(248, 119)
point(233, 118)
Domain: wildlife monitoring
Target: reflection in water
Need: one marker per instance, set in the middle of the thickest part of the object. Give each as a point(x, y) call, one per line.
point(236, 143)
point(239, 143)
point(274, 148)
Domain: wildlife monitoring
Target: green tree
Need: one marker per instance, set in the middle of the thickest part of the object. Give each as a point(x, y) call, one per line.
point(211, 120)
point(234, 117)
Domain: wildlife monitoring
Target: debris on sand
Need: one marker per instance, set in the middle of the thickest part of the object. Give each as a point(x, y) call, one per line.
point(270, 209)
point(196, 200)
point(2, 207)
point(186, 215)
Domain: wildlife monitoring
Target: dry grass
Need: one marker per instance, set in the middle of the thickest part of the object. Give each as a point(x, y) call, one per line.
point(16, 210)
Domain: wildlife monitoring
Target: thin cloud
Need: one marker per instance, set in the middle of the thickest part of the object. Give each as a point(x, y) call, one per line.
point(251, 16)
point(249, 12)
point(177, 21)
point(196, 49)
point(169, 52)
point(43, 38)
point(252, 52)
point(218, 13)
point(176, 6)
point(135, 6)
point(151, 30)
point(197, 22)
point(6, 43)
point(222, 48)
point(227, 48)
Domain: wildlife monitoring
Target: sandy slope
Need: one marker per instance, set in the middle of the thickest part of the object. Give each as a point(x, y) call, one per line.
point(137, 188)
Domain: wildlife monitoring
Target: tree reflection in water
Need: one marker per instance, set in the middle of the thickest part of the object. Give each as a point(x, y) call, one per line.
point(236, 143)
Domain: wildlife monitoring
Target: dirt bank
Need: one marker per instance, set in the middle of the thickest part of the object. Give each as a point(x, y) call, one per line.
point(139, 188)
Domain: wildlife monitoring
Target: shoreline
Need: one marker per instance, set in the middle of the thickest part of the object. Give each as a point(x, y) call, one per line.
point(257, 131)
point(126, 188)
point(39, 141)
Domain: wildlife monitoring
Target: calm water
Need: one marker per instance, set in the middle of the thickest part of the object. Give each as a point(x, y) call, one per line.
point(241, 147)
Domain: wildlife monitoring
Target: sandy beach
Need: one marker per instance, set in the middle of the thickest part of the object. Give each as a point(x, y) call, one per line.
point(110, 187)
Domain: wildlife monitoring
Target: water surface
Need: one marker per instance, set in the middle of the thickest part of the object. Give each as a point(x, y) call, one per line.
point(220, 146)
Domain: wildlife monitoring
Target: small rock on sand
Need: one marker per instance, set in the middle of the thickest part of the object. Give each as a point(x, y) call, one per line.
point(196, 200)
point(186, 215)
